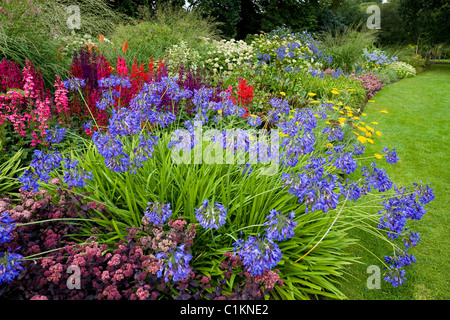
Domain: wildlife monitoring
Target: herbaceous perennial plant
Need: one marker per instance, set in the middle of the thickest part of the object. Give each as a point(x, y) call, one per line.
point(217, 224)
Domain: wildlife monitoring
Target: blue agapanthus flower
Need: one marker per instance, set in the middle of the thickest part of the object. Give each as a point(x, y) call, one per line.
point(280, 226)
point(158, 212)
point(74, 83)
point(55, 134)
point(391, 155)
point(6, 227)
point(396, 277)
point(174, 264)
point(211, 215)
point(10, 266)
point(258, 254)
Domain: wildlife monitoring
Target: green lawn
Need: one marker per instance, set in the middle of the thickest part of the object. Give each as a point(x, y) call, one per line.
point(417, 126)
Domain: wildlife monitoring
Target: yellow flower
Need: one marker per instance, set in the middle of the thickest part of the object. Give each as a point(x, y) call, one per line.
point(369, 128)
point(282, 93)
point(316, 115)
point(253, 115)
point(349, 115)
point(329, 101)
point(335, 89)
point(219, 111)
point(329, 145)
point(369, 140)
point(362, 139)
point(334, 92)
point(282, 134)
point(375, 122)
point(368, 134)
point(356, 118)
point(351, 89)
point(362, 129)
point(364, 114)
point(363, 123)
point(339, 104)
point(341, 112)
point(327, 122)
point(335, 108)
point(341, 120)
point(356, 133)
point(384, 111)
point(348, 108)
point(371, 101)
point(311, 94)
point(378, 133)
point(378, 156)
point(315, 101)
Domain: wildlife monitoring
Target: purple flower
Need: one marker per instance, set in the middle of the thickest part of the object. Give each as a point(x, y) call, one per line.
point(55, 134)
point(211, 216)
point(376, 178)
point(391, 156)
point(75, 176)
point(74, 83)
point(258, 254)
point(6, 227)
point(396, 277)
point(174, 263)
point(254, 120)
point(158, 212)
point(280, 226)
point(10, 266)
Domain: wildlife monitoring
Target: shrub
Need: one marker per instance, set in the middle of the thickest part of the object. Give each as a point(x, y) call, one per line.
point(404, 70)
point(371, 82)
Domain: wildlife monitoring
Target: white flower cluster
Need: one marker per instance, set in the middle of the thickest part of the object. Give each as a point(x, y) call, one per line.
point(404, 70)
point(227, 56)
point(180, 54)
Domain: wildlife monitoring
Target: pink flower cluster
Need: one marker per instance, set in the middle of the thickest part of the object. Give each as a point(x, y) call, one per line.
point(23, 102)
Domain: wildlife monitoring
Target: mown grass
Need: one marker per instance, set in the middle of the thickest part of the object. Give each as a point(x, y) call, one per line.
point(417, 126)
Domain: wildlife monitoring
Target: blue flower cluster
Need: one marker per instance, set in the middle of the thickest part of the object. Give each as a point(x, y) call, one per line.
point(43, 164)
point(391, 156)
point(10, 266)
point(280, 226)
point(405, 205)
point(174, 263)
point(158, 212)
point(6, 227)
point(74, 83)
point(258, 253)
point(211, 216)
point(55, 134)
point(376, 178)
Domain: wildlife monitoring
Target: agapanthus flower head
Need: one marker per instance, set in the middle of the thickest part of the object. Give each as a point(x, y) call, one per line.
point(211, 215)
point(254, 120)
point(376, 178)
point(75, 176)
point(10, 266)
point(258, 254)
point(396, 277)
point(55, 134)
point(158, 212)
point(174, 264)
point(280, 226)
point(7, 226)
point(411, 239)
point(359, 149)
point(425, 193)
point(74, 83)
point(391, 156)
